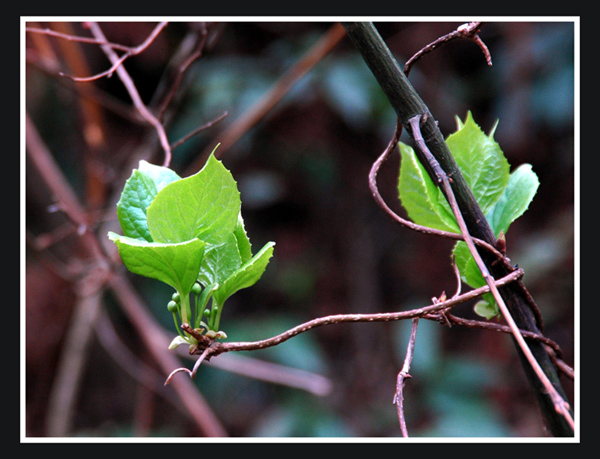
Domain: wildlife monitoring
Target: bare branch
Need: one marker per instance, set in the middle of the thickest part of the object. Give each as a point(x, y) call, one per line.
point(93, 41)
point(128, 50)
point(470, 31)
point(198, 130)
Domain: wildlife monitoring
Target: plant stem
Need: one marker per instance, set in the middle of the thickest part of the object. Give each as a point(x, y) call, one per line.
point(215, 316)
point(186, 311)
point(408, 104)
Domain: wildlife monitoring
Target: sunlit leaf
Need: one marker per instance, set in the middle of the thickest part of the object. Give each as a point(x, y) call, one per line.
point(422, 199)
point(204, 206)
point(174, 264)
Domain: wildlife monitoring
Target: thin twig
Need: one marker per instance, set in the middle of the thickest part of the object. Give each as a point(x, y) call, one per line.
point(469, 323)
point(69, 37)
point(129, 51)
point(469, 31)
point(198, 130)
point(403, 375)
point(560, 404)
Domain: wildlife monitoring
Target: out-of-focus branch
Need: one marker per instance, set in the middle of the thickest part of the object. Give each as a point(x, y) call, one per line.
point(132, 90)
point(241, 126)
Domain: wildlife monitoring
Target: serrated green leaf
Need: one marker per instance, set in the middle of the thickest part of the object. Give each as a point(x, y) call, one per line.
point(481, 161)
point(516, 197)
point(421, 198)
point(204, 206)
point(243, 243)
point(175, 264)
point(502, 196)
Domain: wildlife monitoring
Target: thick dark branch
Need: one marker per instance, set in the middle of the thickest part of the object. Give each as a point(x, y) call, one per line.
point(408, 104)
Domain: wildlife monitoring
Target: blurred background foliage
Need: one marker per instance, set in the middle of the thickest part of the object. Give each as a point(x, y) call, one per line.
point(302, 172)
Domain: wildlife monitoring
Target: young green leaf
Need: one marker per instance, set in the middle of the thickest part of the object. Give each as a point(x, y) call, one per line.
point(522, 186)
point(138, 193)
point(481, 162)
point(469, 272)
point(487, 308)
point(220, 262)
point(243, 242)
point(246, 275)
point(174, 264)
point(180, 231)
point(515, 199)
point(423, 200)
point(160, 175)
point(204, 206)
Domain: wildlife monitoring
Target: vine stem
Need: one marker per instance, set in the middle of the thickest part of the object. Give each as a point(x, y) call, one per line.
point(560, 404)
point(403, 375)
point(217, 348)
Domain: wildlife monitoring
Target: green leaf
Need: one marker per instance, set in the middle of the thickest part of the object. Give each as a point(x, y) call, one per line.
point(516, 197)
point(243, 242)
point(176, 264)
point(179, 231)
point(246, 275)
point(138, 193)
point(481, 162)
point(486, 308)
point(204, 206)
point(220, 262)
point(423, 200)
point(522, 186)
point(160, 175)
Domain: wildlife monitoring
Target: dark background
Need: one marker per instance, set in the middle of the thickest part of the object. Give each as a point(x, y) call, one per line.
point(302, 172)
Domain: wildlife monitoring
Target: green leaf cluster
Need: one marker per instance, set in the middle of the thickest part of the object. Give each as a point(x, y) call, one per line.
point(188, 233)
point(502, 195)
